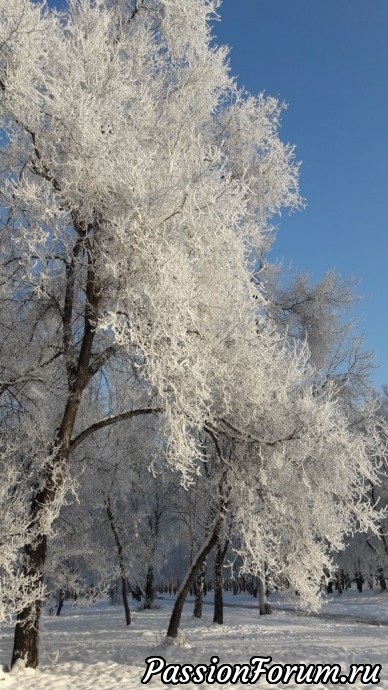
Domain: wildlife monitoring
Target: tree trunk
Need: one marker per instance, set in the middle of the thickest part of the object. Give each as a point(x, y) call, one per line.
point(124, 593)
point(198, 604)
point(263, 605)
point(149, 588)
point(61, 601)
point(120, 553)
point(382, 580)
point(26, 638)
point(189, 579)
point(154, 523)
point(338, 582)
point(218, 593)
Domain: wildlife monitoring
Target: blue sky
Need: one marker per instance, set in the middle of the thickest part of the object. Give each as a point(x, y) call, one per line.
point(328, 59)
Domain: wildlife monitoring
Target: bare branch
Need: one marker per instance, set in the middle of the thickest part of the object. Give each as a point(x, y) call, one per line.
point(108, 421)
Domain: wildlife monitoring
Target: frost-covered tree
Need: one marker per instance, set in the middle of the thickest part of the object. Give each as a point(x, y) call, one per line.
point(319, 314)
point(366, 555)
point(135, 178)
point(17, 589)
point(131, 505)
point(138, 185)
point(274, 497)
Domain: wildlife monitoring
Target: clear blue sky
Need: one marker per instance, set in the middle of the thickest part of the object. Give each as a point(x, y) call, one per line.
point(328, 59)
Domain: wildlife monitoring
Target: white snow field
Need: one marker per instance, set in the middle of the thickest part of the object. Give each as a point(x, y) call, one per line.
point(92, 649)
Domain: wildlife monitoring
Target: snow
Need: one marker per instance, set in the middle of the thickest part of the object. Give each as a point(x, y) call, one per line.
point(92, 649)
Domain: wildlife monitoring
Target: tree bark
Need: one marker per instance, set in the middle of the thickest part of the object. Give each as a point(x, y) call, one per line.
point(154, 524)
point(124, 593)
point(199, 594)
point(120, 553)
point(219, 557)
point(189, 579)
point(263, 605)
point(149, 588)
point(26, 640)
point(61, 601)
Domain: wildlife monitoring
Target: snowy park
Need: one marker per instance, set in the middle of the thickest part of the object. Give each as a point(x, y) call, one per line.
point(91, 648)
point(193, 331)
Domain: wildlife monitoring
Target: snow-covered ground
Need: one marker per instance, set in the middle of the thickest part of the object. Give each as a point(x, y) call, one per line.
point(92, 649)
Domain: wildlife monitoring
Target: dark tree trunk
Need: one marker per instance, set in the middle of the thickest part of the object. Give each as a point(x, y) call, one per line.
point(154, 524)
point(263, 605)
point(124, 593)
point(382, 580)
point(149, 588)
point(26, 638)
point(120, 553)
point(218, 593)
point(189, 579)
point(61, 601)
point(338, 582)
point(200, 589)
